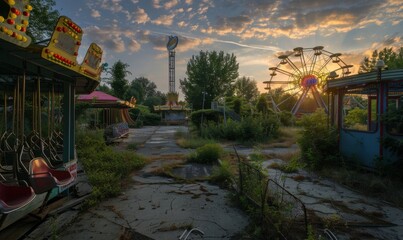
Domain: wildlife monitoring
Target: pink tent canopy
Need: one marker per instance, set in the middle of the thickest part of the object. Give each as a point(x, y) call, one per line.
point(100, 99)
point(98, 96)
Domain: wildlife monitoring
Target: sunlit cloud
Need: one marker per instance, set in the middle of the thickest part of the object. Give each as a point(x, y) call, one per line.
point(170, 4)
point(141, 16)
point(95, 13)
point(165, 20)
point(134, 46)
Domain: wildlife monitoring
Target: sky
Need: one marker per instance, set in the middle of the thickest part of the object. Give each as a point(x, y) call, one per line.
point(255, 31)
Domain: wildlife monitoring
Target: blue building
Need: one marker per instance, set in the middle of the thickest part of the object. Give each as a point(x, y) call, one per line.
point(359, 107)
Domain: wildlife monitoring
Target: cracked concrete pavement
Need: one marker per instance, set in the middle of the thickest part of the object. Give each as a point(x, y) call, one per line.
point(161, 208)
point(357, 215)
point(158, 207)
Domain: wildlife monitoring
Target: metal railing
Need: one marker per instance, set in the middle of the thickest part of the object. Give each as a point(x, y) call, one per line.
point(282, 214)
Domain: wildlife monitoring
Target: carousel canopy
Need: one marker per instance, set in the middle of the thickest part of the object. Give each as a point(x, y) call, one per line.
point(99, 99)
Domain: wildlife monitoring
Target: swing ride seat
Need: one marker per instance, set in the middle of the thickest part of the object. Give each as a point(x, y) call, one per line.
point(39, 166)
point(14, 197)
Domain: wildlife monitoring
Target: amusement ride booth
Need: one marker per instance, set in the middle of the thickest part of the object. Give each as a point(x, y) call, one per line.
point(110, 113)
point(37, 127)
point(367, 110)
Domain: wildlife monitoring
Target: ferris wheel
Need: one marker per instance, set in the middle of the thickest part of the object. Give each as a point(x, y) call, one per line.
point(303, 72)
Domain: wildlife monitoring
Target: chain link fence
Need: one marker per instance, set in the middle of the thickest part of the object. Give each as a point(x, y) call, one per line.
point(282, 214)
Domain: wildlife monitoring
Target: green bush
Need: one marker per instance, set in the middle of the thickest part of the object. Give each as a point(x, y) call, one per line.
point(151, 119)
point(208, 153)
point(286, 118)
point(105, 167)
point(318, 141)
point(251, 129)
point(222, 174)
point(208, 115)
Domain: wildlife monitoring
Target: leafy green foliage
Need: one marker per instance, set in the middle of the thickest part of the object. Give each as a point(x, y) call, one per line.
point(43, 19)
point(118, 80)
point(262, 105)
point(208, 153)
point(246, 88)
point(222, 174)
point(209, 72)
point(206, 114)
point(318, 142)
point(251, 129)
point(142, 116)
point(356, 116)
point(392, 58)
point(105, 167)
point(141, 88)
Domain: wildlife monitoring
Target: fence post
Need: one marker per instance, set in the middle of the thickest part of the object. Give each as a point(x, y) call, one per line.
point(239, 171)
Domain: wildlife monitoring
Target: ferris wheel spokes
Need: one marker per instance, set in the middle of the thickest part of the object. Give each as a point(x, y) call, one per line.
point(307, 70)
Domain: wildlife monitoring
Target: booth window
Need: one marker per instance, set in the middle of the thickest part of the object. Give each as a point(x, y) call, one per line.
point(360, 112)
point(394, 115)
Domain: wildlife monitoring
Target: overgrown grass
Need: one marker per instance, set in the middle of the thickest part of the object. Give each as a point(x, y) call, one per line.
point(106, 169)
point(250, 130)
point(132, 146)
point(209, 153)
point(287, 136)
point(189, 140)
point(223, 174)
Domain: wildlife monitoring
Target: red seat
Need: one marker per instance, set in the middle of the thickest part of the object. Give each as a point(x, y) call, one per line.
point(13, 197)
point(39, 166)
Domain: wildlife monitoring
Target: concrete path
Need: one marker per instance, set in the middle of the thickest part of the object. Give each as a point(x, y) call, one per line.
point(161, 208)
point(356, 216)
point(157, 207)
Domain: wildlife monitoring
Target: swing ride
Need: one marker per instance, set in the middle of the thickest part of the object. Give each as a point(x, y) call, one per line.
point(37, 128)
point(300, 73)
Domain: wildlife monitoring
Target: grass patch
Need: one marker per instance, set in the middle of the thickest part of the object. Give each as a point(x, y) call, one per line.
point(287, 137)
point(222, 174)
point(209, 153)
point(106, 168)
point(132, 146)
point(188, 140)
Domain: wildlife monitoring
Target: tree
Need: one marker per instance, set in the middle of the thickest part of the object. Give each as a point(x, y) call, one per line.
point(141, 88)
point(393, 59)
point(118, 79)
point(246, 88)
point(262, 105)
point(43, 19)
point(209, 76)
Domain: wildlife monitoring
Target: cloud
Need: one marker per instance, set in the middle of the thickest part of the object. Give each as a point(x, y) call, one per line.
point(113, 38)
point(165, 20)
point(156, 4)
point(235, 24)
point(112, 5)
point(134, 46)
point(170, 4)
point(95, 13)
point(182, 24)
point(159, 41)
point(297, 19)
point(141, 17)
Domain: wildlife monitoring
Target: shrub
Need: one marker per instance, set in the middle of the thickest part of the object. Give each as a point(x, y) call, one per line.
point(222, 174)
point(317, 141)
point(286, 118)
point(208, 115)
point(105, 167)
point(151, 119)
point(208, 153)
point(251, 129)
